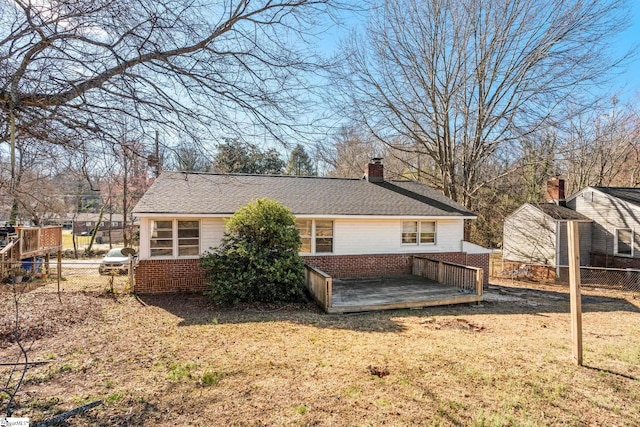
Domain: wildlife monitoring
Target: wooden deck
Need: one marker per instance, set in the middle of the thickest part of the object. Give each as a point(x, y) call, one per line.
point(386, 293)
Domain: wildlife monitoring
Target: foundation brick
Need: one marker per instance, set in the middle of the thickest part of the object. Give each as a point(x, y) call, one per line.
point(186, 276)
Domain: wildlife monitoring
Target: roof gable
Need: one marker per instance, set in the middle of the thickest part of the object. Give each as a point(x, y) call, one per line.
point(626, 194)
point(553, 211)
point(223, 194)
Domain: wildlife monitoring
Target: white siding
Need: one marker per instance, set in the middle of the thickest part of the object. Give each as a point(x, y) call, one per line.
point(529, 237)
point(359, 236)
point(144, 238)
point(212, 230)
point(350, 236)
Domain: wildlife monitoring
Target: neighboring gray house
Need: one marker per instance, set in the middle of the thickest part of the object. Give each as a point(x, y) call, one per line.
point(615, 230)
point(537, 234)
point(609, 228)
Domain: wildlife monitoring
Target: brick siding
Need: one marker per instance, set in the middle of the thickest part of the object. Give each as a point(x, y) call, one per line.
point(341, 266)
point(185, 275)
point(169, 276)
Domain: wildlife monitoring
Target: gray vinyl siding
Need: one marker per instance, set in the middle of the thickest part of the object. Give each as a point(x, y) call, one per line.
point(584, 232)
point(608, 214)
point(529, 237)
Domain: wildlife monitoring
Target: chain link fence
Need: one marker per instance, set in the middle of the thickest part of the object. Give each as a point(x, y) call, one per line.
point(72, 275)
point(590, 277)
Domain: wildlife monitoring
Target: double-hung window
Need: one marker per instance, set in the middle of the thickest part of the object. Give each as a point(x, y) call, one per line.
point(174, 238)
point(624, 242)
point(418, 232)
point(316, 236)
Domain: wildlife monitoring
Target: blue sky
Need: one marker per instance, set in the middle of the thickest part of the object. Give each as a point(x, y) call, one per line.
point(625, 84)
point(629, 80)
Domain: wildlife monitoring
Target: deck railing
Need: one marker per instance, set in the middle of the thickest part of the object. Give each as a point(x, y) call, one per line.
point(460, 276)
point(319, 285)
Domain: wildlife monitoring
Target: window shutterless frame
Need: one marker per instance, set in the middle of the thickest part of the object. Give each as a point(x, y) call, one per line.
point(623, 242)
point(316, 236)
point(174, 238)
point(419, 232)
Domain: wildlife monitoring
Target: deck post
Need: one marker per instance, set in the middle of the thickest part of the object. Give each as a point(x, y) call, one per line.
point(479, 280)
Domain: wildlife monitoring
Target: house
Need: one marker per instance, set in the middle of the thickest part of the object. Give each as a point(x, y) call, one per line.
point(25, 247)
point(615, 227)
point(109, 227)
point(609, 227)
point(349, 227)
point(84, 223)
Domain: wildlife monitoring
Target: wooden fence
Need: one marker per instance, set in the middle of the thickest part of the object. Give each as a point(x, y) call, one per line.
point(319, 285)
point(460, 276)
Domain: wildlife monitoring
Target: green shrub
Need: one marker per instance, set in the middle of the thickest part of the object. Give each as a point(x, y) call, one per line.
point(258, 259)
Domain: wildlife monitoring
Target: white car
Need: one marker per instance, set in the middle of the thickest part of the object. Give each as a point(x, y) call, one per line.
point(114, 262)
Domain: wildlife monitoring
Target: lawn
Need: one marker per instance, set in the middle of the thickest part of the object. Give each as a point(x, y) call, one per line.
point(179, 361)
point(67, 240)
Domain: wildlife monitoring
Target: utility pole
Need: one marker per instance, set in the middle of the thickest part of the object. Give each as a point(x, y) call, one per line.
point(125, 184)
point(12, 186)
point(157, 154)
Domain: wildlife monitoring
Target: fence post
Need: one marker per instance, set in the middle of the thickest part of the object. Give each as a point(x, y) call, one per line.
point(440, 272)
point(573, 240)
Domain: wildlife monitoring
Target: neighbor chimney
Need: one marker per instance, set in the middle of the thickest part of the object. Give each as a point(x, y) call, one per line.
point(375, 170)
point(555, 191)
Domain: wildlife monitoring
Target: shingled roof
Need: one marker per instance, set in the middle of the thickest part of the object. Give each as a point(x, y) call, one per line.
point(560, 212)
point(628, 194)
point(222, 194)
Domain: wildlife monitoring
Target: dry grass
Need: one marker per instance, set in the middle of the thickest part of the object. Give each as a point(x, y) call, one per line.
point(179, 361)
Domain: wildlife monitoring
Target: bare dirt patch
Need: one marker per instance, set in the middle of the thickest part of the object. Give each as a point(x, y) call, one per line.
point(178, 360)
point(459, 324)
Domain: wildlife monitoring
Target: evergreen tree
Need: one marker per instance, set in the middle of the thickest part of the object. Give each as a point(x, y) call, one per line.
point(235, 156)
point(299, 163)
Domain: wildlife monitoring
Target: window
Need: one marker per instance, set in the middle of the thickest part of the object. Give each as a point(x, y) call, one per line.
point(115, 224)
point(624, 242)
point(426, 230)
point(304, 227)
point(174, 238)
point(324, 237)
point(316, 236)
point(410, 232)
point(188, 238)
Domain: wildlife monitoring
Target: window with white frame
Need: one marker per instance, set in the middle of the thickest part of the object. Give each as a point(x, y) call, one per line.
point(623, 242)
point(418, 232)
point(174, 238)
point(304, 227)
point(316, 236)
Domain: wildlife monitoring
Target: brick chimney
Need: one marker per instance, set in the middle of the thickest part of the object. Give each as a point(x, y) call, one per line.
point(555, 191)
point(375, 170)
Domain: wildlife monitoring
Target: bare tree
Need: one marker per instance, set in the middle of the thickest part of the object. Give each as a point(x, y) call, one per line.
point(601, 147)
point(459, 81)
point(74, 73)
point(73, 67)
point(347, 153)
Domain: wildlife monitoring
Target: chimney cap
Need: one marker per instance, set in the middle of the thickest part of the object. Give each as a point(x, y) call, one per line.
point(377, 160)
